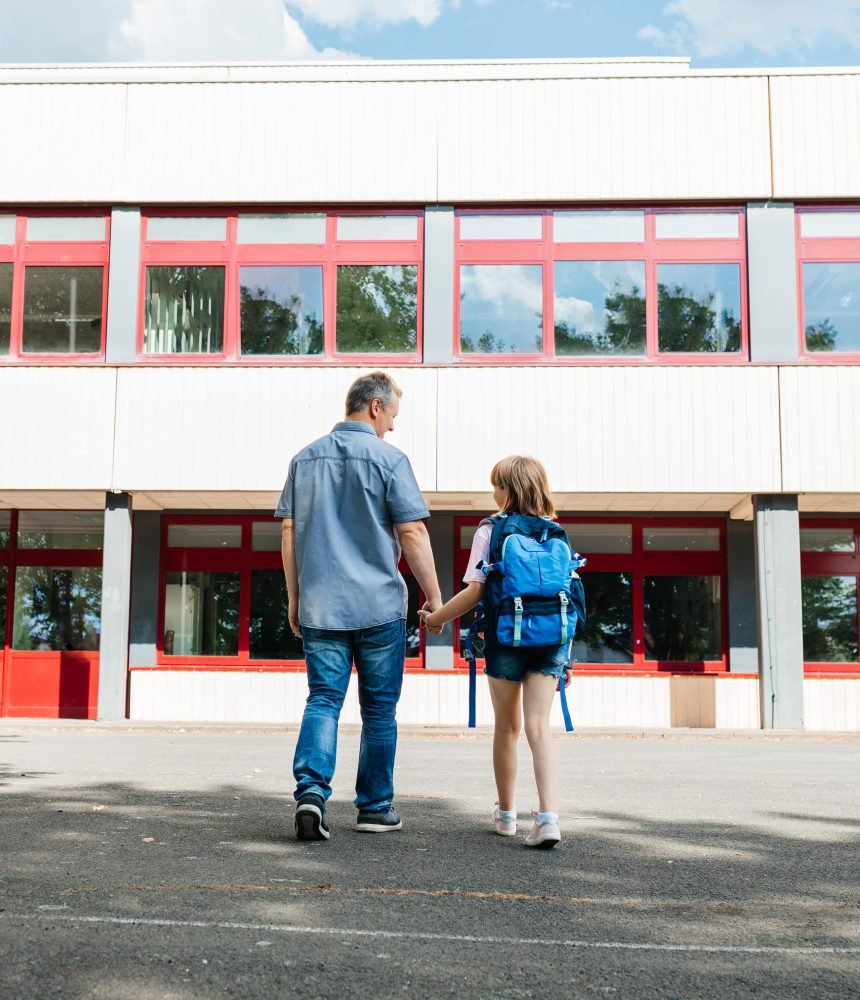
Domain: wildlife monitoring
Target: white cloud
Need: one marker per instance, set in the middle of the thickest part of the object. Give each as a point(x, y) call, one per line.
point(348, 13)
point(214, 30)
point(712, 29)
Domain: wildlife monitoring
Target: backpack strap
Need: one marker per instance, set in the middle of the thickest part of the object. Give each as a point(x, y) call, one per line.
point(565, 711)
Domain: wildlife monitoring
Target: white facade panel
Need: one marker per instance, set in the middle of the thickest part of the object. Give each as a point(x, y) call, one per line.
point(281, 143)
point(197, 429)
point(59, 433)
point(616, 429)
point(603, 139)
point(816, 135)
point(820, 417)
point(68, 141)
point(831, 704)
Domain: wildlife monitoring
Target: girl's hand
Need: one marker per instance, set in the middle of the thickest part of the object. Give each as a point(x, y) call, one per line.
point(430, 622)
point(568, 675)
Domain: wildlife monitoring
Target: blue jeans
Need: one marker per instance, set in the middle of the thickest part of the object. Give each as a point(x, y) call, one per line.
point(378, 653)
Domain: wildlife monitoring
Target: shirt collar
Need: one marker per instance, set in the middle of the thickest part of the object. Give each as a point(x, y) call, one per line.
point(353, 425)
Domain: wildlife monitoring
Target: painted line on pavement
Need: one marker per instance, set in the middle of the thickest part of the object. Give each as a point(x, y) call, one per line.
point(428, 936)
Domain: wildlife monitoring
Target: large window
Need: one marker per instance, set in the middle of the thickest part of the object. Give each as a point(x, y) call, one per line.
point(830, 568)
point(587, 284)
point(55, 587)
point(224, 599)
point(53, 292)
point(828, 251)
point(654, 593)
point(270, 287)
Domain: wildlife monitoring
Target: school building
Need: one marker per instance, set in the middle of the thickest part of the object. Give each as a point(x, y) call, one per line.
point(646, 275)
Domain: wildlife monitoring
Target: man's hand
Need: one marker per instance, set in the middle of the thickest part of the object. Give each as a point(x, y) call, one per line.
point(295, 627)
point(427, 616)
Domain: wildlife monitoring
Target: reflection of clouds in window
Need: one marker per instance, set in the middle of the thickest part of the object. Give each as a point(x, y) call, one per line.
point(831, 314)
point(504, 286)
point(501, 308)
point(576, 312)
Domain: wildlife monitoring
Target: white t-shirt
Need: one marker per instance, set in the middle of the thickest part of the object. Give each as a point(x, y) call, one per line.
point(480, 553)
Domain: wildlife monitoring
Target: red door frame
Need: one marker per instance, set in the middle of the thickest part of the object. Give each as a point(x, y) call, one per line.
point(26, 674)
point(242, 560)
point(833, 564)
point(639, 564)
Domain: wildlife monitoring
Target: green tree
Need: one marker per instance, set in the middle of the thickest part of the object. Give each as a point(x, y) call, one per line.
point(821, 336)
point(688, 324)
point(829, 611)
point(377, 309)
point(270, 326)
point(623, 331)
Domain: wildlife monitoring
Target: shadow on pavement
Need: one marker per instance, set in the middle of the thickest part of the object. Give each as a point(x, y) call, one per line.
point(417, 908)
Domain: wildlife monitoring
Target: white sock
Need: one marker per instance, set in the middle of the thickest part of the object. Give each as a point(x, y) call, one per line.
point(547, 818)
point(508, 815)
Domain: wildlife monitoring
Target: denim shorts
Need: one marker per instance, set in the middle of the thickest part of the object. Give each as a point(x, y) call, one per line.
point(512, 663)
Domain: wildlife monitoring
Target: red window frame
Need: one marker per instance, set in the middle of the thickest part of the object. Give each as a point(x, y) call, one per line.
point(822, 250)
point(54, 253)
point(833, 564)
point(33, 670)
point(639, 564)
point(651, 251)
point(242, 560)
point(232, 255)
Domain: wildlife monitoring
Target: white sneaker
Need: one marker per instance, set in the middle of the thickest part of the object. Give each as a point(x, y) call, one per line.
point(544, 835)
point(504, 827)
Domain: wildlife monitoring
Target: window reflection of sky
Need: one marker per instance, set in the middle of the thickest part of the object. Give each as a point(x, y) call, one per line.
point(501, 308)
point(831, 302)
point(581, 289)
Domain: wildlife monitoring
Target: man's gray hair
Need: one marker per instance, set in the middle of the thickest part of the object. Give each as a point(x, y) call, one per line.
point(376, 385)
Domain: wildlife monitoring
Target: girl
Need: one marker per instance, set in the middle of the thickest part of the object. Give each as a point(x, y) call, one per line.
point(522, 680)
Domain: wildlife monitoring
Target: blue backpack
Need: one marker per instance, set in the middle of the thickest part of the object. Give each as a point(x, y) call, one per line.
point(533, 595)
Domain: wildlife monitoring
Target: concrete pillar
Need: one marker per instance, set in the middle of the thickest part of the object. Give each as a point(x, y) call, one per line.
point(144, 588)
point(439, 649)
point(742, 616)
point(772, 272)
point(123, 286)
point(438, 323)
point(777, 556)
point(116, 592)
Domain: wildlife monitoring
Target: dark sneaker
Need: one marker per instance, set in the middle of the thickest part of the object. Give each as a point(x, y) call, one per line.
point(311, 820)
point(378, 822)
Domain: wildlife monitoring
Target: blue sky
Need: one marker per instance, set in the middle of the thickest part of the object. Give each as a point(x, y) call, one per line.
point(714, 33)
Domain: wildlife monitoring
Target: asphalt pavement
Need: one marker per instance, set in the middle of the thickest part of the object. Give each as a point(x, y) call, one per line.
point(144, 862)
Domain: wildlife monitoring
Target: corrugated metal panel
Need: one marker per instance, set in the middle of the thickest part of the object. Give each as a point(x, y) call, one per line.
point(613, 429)
point(236, 429)
point(816, 136)
point(604, 139)
point(59, 428)
point(831, 705)
point(737, 703)
point(820, 416)
point(281, 142)
point(62, 144)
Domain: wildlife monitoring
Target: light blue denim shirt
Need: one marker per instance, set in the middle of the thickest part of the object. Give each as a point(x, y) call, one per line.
point(344, 493)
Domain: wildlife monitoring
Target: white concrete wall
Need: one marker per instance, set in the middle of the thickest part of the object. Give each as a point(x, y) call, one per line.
point(289, 135)
point(440, 699)
point(58, 431)
point(820, 417)
point(624, 429)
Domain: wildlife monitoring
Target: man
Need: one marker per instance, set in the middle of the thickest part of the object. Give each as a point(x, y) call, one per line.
point(349, 506)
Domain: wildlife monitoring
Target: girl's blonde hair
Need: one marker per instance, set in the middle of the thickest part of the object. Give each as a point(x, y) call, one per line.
point(526, 481)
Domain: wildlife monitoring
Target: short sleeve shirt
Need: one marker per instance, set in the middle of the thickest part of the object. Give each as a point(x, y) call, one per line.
point(344, 494)
point(480, 553)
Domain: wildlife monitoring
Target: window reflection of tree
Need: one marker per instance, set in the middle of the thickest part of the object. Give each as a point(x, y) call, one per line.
point(682, 618)
point(57, 608)
point(607, 635)
point(829, 619)
point(277, 325)
point(377, 309)
point(690, 323)
point(271, 637)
